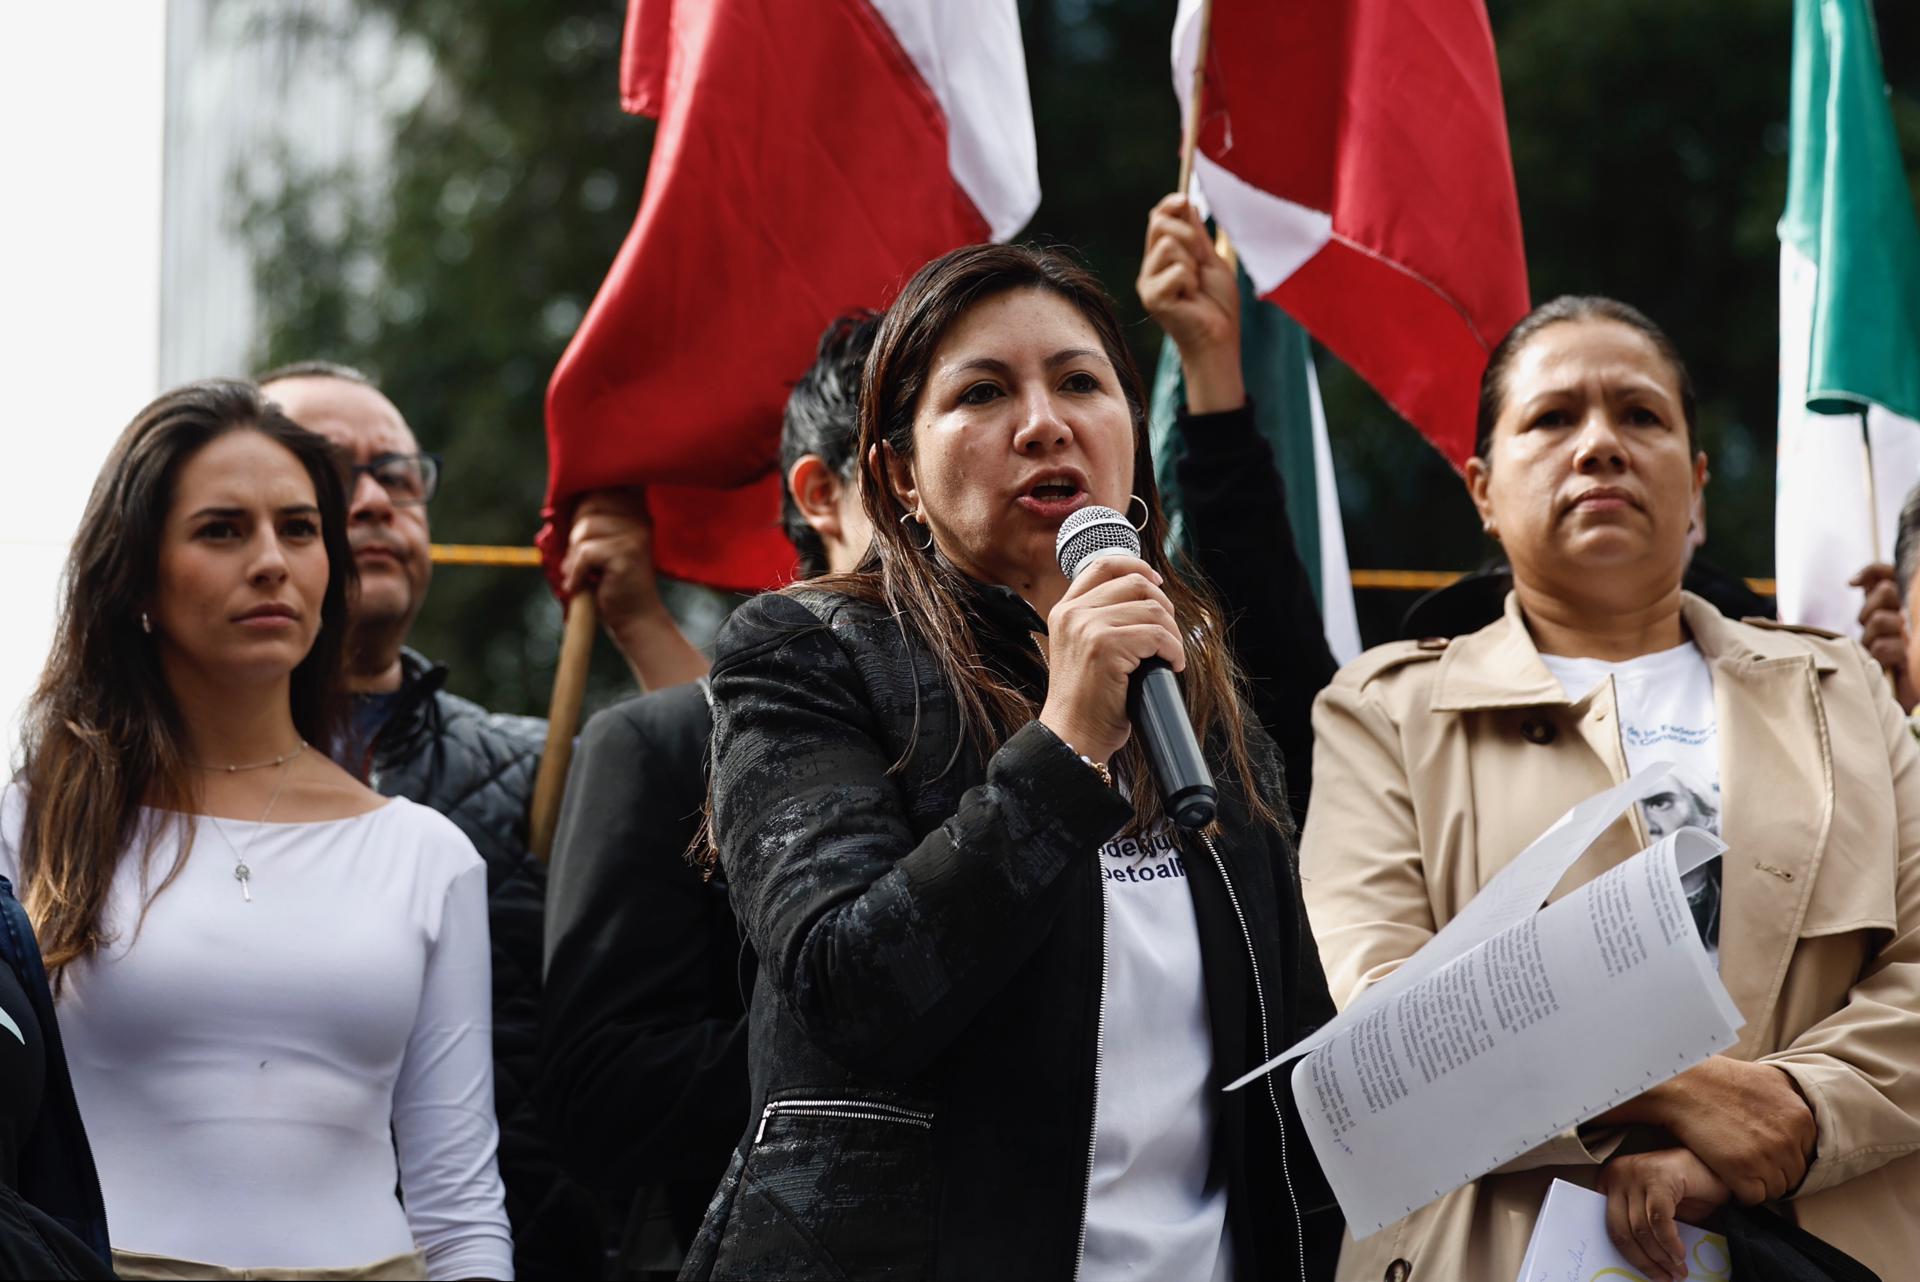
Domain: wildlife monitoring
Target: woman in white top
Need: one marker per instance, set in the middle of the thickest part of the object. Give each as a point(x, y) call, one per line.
point(273, 982)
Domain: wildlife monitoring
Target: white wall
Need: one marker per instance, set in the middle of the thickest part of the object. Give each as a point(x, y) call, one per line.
point(82, 92)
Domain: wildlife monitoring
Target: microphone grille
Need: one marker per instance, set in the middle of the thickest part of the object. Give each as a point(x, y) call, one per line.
point(1090, 533)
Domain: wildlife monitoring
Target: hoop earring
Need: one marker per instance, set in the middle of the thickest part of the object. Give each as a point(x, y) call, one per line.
point(146, 624)
point(1146, 513)
point(908, 516)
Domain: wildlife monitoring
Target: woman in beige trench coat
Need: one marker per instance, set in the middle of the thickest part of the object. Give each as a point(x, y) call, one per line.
point(1437, 762)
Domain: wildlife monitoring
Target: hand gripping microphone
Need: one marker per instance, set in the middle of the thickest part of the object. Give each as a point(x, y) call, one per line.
point(1154, 705)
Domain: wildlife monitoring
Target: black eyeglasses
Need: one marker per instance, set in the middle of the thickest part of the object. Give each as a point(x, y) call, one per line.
point(408, 479)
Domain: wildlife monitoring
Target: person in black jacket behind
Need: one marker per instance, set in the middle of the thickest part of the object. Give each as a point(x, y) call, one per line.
point(643, 1079)
point(416, 739)
point(1236, 506)
point(53, 1222)
point(998, 994)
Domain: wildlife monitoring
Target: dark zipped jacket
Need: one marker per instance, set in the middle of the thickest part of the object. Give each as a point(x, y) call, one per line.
point(1237, 529)
point(924, 1032)
point(477, 768)
point(643, 1032)
point(57, 1176)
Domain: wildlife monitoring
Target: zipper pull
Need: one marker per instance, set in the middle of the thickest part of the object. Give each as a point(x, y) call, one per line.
point(761, 1134)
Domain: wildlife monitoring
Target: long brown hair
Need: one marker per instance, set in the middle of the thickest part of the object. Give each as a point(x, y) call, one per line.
point(926, 592)
point(102, 735)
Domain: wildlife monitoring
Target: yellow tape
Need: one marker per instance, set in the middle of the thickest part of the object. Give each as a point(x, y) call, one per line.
point(1427, 580)
point(1377, 580)
point(479, 554)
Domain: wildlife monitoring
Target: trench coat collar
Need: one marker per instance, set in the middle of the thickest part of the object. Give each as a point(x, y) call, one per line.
point(1776, 767)
point(1499, 667)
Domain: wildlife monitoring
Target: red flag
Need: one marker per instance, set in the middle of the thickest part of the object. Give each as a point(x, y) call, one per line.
point(810, 157)
point(1356, 153)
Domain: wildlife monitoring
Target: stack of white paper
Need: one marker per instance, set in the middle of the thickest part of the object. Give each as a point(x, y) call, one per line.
point(1570, 1244)
point(1515, 1022)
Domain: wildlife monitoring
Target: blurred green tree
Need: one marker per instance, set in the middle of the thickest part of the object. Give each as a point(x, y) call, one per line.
point(1649, 145)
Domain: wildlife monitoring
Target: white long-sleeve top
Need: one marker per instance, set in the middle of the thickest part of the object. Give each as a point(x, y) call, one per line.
point(246, 1070)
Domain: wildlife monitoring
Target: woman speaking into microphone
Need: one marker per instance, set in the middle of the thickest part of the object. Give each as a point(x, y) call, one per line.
point(998, 991)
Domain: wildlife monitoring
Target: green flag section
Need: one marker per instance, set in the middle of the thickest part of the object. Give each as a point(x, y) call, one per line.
point(1849, 320)
point(1276, 359)
point(1850, 213)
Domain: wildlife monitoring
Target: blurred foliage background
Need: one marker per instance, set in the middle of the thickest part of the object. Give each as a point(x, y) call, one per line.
point(1649, 143)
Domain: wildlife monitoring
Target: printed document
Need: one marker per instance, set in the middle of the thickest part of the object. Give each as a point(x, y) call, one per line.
point(1515, 1022)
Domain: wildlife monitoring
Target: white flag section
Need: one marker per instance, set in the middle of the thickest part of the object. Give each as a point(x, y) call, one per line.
point(972, 61)
point(1558, 1012)
point(1273, 236)
point(1337, 613)
point(1823, 532)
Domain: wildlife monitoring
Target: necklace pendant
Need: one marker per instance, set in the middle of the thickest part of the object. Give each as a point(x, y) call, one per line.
point(242, 874)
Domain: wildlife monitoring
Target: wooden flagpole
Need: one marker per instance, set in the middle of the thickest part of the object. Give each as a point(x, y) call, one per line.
point(563, 720)
point(1873, 493)
point(1190, 137)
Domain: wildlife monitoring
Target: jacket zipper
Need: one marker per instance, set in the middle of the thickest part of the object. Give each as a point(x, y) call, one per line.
point(1266, 1053)
point(852, 1109)
point(1099, 1048)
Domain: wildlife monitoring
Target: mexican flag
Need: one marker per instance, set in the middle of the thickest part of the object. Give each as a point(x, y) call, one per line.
point(1355, 151)
point(1849, 320)
point(1276, 358)
point(810, 157)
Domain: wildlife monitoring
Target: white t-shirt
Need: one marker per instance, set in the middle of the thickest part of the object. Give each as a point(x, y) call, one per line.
point(1665, 704)
point(1151, 1214)
point(245, 1069)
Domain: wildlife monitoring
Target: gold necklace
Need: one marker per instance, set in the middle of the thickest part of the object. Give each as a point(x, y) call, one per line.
point(242, 873)
point(280, 760)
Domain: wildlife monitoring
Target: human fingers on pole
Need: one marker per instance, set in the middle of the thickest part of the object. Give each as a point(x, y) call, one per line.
point(1177, 218)
point(1883, 622)
point(1171, 207)
point(1170, 284)
point(1169, 279)
point(1190, 293)
point(1871, 575)
point(1879, 588)
point(1884, 634)
point(611, 538)
point(1180, 234)
point(1184, 226)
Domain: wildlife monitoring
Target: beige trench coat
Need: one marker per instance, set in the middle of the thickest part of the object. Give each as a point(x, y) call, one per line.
point(1436, 763)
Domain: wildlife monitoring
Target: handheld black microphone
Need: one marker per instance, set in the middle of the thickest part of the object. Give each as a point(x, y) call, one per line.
point(1154, 704)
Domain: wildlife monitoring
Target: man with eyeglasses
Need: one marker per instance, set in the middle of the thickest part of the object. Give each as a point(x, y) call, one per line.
point(476, 767)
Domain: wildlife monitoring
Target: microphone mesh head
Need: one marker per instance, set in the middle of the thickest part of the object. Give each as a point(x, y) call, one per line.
point(1090, 533)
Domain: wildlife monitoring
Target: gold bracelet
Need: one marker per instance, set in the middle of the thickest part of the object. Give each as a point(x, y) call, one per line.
point(1106, 775)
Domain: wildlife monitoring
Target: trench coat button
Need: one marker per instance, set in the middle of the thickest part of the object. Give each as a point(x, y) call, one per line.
point(1398, 1271)
point(1539, 730)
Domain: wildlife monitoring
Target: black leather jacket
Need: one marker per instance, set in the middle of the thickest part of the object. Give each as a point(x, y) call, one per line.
point(476, 768)
point(924, 1034)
